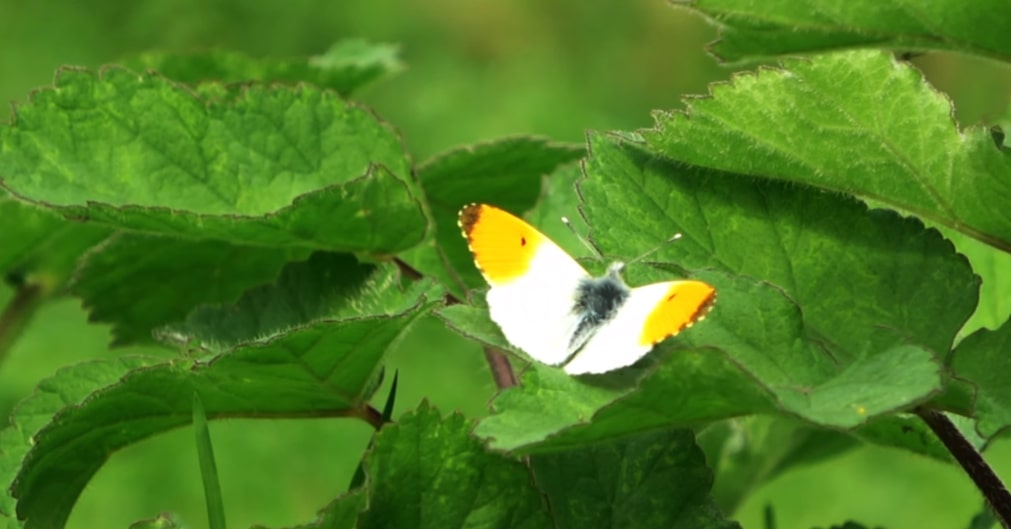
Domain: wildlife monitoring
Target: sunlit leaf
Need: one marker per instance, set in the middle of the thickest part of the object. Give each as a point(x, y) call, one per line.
point(859, 123)
point(751, 30)
point(836, 318)
point(264, 165)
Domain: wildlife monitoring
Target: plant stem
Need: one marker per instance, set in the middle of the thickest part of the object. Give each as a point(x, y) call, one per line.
point(498, 362)
point(371, 416)
point(501, 369)
point(972, 461)
point(17, 314)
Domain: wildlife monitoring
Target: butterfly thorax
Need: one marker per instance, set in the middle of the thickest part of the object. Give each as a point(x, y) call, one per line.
point(597, 301)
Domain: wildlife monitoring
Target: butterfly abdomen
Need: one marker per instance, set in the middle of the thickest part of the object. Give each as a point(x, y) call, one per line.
point(597, 301)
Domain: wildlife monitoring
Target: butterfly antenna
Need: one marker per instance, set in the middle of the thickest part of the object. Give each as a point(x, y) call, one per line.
point(672, 238)
point(582, 239)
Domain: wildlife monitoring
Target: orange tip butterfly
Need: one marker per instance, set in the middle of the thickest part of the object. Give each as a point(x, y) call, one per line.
point(548, 306)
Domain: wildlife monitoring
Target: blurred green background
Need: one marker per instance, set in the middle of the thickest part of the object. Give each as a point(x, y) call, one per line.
point(477, 69)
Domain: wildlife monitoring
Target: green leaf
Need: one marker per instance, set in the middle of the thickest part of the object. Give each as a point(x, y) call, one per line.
point(991, 265)
point(429, 472)
point(346, 67)
point(142, 282)
point(658, 479)
point(68, 387)
point(38, 251)
point(326, 286)
point(749, 451)
point(859, 123)
point(906, 431)
point(322, 370)
point(39, 246)
point(840, 327)
point(984, 519)
point(507, 173)
point(342, 513)
point(558, 200)
point(982, 360)
point(751, 31)
point(261, 165)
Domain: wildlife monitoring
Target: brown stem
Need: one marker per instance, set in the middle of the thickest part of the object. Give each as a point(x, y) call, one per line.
point(371, 416)
point(501, 369)
point(498, 362)
point(972, 462)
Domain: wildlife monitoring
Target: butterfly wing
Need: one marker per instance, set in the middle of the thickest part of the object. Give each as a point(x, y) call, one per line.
point(533, 281)
point(651, 314)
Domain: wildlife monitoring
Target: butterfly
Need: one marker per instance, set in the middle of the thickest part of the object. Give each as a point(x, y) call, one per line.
point(548, 306)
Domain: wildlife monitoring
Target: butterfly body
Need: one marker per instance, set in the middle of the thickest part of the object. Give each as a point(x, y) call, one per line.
point(548, 306)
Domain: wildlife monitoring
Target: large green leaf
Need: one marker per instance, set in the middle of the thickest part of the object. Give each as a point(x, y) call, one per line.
point(827, 311)
point(508, 173)
point(429, 472)
point(266, 165)
point(323, 370)
point(751, 30)
point(142, 282)
point(308, 346)
point(858, 122)
point(68, 387)
point(346, 67)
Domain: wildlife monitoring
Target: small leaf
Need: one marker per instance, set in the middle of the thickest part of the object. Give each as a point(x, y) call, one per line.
point(749, 451)
point(982, 360)
point(991, 264)
point(346, 67)
point(858, 123)
point(142, 282)
point(751, 31)
point(429, 472)
point(984, 519)
point(342, 513)
point(260, 165)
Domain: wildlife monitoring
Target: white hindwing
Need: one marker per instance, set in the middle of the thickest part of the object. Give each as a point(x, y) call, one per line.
point(616, 343)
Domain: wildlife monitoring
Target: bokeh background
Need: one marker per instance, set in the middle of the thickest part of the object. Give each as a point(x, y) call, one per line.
point(477, 70)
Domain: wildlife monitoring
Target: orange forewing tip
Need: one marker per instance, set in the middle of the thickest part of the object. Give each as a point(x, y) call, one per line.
point(685, 303)
point(503, 245)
